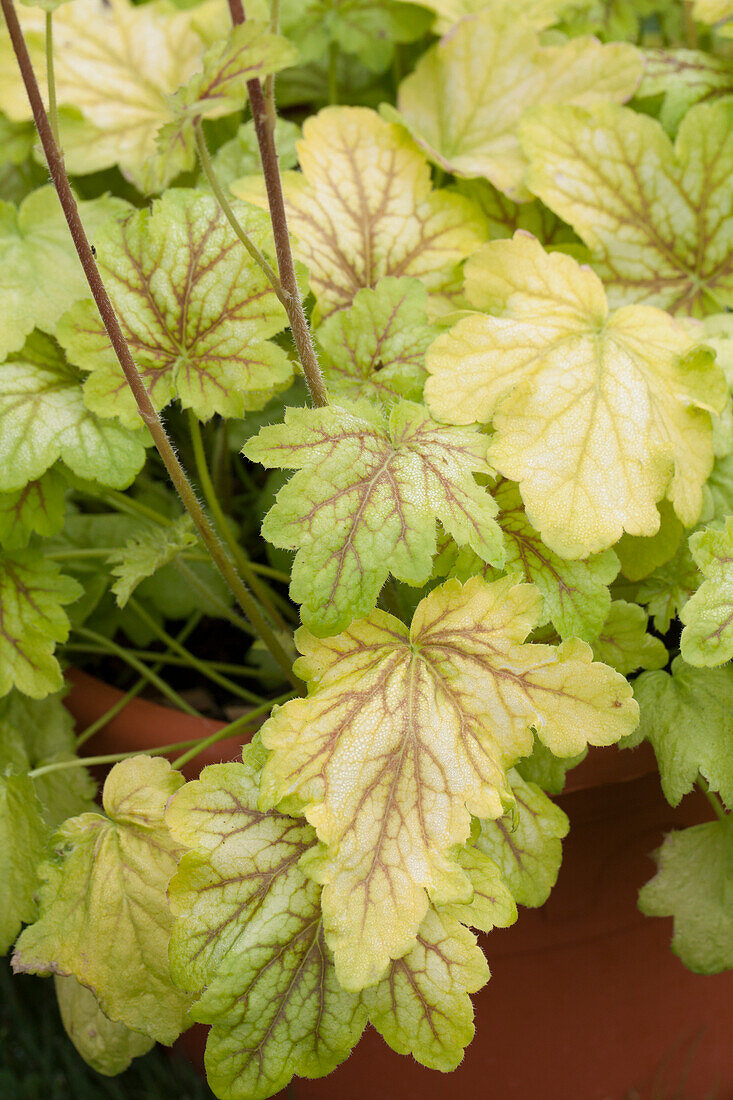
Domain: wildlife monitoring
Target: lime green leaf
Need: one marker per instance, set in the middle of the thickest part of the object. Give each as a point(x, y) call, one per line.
point(116, 66)
point(37, 508)
point(535, 13)
point(106, 1047)
point(491, 905)
point(422, 1005)
point(505, 217)
point(43, 418)
point(708, 615)
point(376, 347)
point(546, 770)
point(405, 732)
point(23, 836)
point(713, 11)
point(32, 620)
point(666, 591)
point(467, 95)
point(241, 156)
point(526, 845)
point(597, 416)
point(641, 556)
point(368, 28)
point(103, 910)
point(364, 207)
point(195, 309)
point(694, 884)
point(365, 504)
point(40, 274)
point(41, 731)
point(624, 643)
point(249, 52)
point(656, 216)
point(688, 718)
point(248, 929)
point(684, 77)
point(147, 552)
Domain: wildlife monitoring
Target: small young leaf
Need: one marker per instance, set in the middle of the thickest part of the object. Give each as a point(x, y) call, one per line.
point(527, 850)
point(467, 95)
point(376, 347)
point(248, 931)
point(623, 642)
point(694, 884)
point(32, 620)
point(40, 274)
point(656, 217)
point(707, 638)
point(405, 732)
point(196, 310)
point(364, 207)
point(103, 909)
point(43, 418)
point(37, 508)
point(688, 718)
point(546, 770)
point(366, 502)
point(106, 1047)
point(597, 416)
point(147, 552)
point(249, 52)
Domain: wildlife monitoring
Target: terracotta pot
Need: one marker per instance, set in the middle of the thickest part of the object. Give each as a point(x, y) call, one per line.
point(586, 1001)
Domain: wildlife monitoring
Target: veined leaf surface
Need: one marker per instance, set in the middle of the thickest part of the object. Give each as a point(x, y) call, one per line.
point(406, 733)
point(707, 638)
point(597, 415)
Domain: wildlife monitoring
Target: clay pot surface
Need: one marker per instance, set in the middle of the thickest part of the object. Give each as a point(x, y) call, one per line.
point(586, 1000)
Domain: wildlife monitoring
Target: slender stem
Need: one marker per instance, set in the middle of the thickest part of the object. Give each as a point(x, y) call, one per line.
point(208, 170)
point(124, 655)
point(224, 528)
point(689, 25)
point(122, 503)
point(162, 658)
point(53, 116)
point(189, 658)
point(135, 690)
point(245, 719)
point(211, 597)
point(145, 406)
point(333, 73)
point(276, 201)
point(712, 799)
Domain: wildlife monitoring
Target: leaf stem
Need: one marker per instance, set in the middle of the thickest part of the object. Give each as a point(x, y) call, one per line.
point(227, 731)
point(270, 78)
point(243, 564)
point(135, 690)
point(286, 267)
point(190, 658)
point(213, 181)
point(164, 658)
point(712, 799)
point(122, 503)
point(51, 78)
point(145, 406)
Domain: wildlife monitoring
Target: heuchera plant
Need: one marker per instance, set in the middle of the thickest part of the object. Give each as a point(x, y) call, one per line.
point(467, 298)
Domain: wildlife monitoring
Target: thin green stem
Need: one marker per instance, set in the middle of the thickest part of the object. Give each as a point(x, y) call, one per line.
point(122, 503)
point(232, 728)
point(713, 799)
point(135, 690)
point(153, 655)
point(190, 659)
point(223, 526)
point(53, 116)
point(333, 73)
point(119, 651)
point(208, 169)
point(211, 597)
point(123, 354)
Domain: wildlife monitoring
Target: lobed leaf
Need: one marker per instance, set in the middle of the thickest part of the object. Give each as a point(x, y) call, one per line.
point(684, 78)
point(707, 638)
point(196, 310)
point(106, 1047)
point(596, 415)
point(38, 508)
point(43, 418)
point(623, 642)
point(688, 718)
point(364, 208)
point(364, 504)
point(657, 217)
point(468, 93)
point(407, 733)
point(146, 553)
point(103, 910)
point(694, 884)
